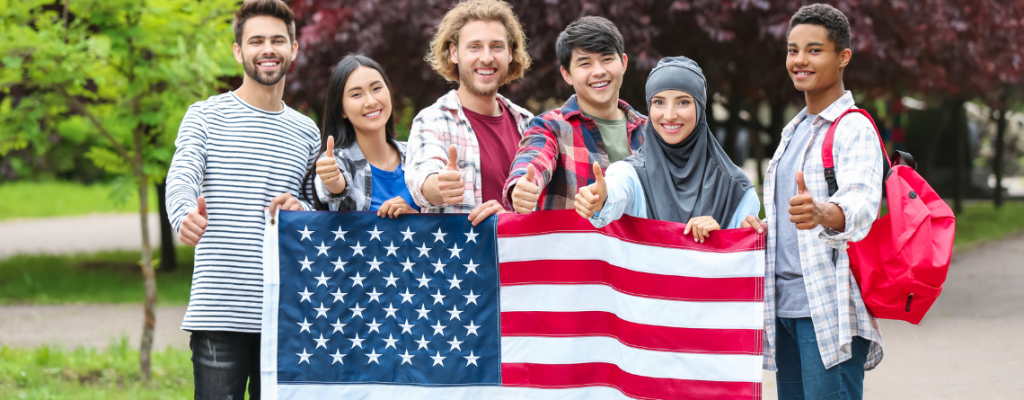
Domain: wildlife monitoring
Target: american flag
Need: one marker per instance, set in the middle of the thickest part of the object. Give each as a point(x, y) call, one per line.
point(537, 306)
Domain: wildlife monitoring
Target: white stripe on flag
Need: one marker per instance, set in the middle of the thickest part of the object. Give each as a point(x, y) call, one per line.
point(649, 363)
point(377, 391)
point(637, 257)
point(672, 313)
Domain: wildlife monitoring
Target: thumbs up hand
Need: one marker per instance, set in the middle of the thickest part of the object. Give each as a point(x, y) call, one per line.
point(590, 199)
point(526, 193)
point(449, 180)
point(804, 211)
point(327, 169)
point(194, 225)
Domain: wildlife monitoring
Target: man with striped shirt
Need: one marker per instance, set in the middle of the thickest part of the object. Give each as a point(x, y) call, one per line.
point(237, 153)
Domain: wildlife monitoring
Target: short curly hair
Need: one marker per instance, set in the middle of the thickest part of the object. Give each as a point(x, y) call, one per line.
point(828, 17)
point(484, 10)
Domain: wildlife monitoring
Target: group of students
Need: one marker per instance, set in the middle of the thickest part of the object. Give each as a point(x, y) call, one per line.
point(474, 151)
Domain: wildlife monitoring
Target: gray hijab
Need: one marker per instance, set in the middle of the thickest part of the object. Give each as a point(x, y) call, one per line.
point(694, 177)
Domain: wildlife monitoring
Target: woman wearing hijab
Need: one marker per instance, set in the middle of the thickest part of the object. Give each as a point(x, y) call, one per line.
point(681, 174)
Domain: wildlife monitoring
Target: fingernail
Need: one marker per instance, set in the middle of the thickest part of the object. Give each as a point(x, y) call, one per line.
point(695, 240)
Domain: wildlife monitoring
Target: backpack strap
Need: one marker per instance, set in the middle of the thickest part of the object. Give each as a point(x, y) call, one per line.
point(826, 151)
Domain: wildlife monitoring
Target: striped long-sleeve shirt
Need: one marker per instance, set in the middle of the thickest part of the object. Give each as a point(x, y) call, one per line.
point(238, 157)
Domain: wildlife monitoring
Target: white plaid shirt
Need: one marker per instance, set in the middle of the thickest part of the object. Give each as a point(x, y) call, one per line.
point(433, 130)
point(836, 306)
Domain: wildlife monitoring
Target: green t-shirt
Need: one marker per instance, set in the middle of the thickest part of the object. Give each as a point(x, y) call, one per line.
point(614, 134)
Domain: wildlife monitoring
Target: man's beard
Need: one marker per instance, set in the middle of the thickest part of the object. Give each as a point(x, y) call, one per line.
point(264, 78)
point(468, 78)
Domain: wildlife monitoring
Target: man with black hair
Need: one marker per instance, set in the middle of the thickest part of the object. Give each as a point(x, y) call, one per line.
point(818, 333)
point(557, 152)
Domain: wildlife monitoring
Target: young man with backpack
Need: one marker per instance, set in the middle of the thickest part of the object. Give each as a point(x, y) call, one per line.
point(819, 334)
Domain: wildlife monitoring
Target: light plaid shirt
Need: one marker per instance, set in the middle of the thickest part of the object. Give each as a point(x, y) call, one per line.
point(836, 306)
point(433, 130)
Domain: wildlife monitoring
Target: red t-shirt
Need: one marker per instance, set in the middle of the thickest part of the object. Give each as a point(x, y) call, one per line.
point(499, 141)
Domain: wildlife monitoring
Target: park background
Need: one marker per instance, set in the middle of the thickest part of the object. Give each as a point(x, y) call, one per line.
point(92, 93)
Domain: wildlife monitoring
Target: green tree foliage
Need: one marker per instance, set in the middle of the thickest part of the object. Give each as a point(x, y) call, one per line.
point(115, 74)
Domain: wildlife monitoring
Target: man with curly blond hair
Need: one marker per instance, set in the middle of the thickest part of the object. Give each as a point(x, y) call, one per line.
point(460, 148)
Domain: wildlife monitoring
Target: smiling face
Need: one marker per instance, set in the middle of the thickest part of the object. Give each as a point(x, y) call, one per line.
point(482, 56)
point(596, 78)
point(673, 115)
point(366, 100)
point(266, 53)
point(812, 60)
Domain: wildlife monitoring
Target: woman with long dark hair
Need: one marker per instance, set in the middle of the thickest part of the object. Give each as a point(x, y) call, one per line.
point(364, 172)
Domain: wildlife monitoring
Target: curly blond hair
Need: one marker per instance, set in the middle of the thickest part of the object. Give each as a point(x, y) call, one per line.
point(484, 10)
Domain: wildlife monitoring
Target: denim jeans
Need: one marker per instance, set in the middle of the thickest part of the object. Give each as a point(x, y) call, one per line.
point(802, 374)
point(222, 362)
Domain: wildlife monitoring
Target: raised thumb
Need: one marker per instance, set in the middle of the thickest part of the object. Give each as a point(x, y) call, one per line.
point(530, 172)
point(801, 188)
point(201, 206)
point(330, 146)
point(598, 176)
point(453, 155)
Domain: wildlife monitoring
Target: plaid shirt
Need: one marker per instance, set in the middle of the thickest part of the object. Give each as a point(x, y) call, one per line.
point(358, 193)
point(563, 144)
point(433, 130)
point(836, 306)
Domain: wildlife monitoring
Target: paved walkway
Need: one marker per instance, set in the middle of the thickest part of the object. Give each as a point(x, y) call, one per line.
point(966, 348)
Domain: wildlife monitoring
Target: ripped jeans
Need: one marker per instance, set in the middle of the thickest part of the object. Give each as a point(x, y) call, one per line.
point(223, 362)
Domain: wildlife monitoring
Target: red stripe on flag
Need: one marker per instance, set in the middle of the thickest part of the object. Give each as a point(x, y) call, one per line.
point(630, 229)
point(636, 283)
point(604, 374)
point(651, 337)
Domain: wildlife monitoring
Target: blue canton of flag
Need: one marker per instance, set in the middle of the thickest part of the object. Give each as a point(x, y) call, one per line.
point(412, 300)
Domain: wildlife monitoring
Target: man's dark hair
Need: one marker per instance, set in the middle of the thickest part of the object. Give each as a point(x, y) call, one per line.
point(591, 34)
point(270, 8)
point(828, 17)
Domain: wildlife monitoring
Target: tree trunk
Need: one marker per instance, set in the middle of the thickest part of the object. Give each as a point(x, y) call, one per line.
point(997, 166)
point(149, 280)
point(962, 154)
point(732, 126)
point(168, 258)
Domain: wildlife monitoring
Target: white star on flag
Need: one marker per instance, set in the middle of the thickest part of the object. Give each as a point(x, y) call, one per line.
point(357, 311)
point(339, 296)
point(339, 234)
point(374, 296)
point(407, 265)
point(391, 281)
point(392, 249)
point(306, 234)
point(322, 249)
point(471, 328)
point(471, 298)
point(375, 234)
point(321, 342)
point(322, 279)
point(373, 357)
point(304, 355)
point(439, 329)
point(305, 293)
point(455, 251)
point(357, 280)
point(438, 298)
point(374, 326)
point(456, 344)
point(357, 249)
point(391, 311)
point(438, 359)
point(455, 281)
point(406, 358)
point(390, 342)
point(423, 312)
point(471, 236)
point(423, 342)
point(306, 264)
point(339, 264)
point(471, 359)
point(424, 250)
point(357, 341)
point(471, 267)
point(407, 235)
point(305, 326)
point(321, 311)
point(406, 327)
point(439, 236)
point(375, 265)
point(338, 326)
point(408, 296)
point(438, 266)
point(338, 357)
point(424, 281)
point(455, 313)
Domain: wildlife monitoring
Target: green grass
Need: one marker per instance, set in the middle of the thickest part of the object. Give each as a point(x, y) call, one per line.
point(58, 199)
point(49, 372)
point(982, 222)
point(105, 277)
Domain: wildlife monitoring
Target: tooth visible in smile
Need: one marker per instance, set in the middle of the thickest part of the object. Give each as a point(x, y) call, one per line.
point(672, 127)
point(485, 71)
point(373, 114)
point(599, 85)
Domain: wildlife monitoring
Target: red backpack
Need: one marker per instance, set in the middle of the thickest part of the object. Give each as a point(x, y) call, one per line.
point(902, 263)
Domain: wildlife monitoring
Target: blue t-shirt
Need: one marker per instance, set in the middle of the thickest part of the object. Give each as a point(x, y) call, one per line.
point(388, 185)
